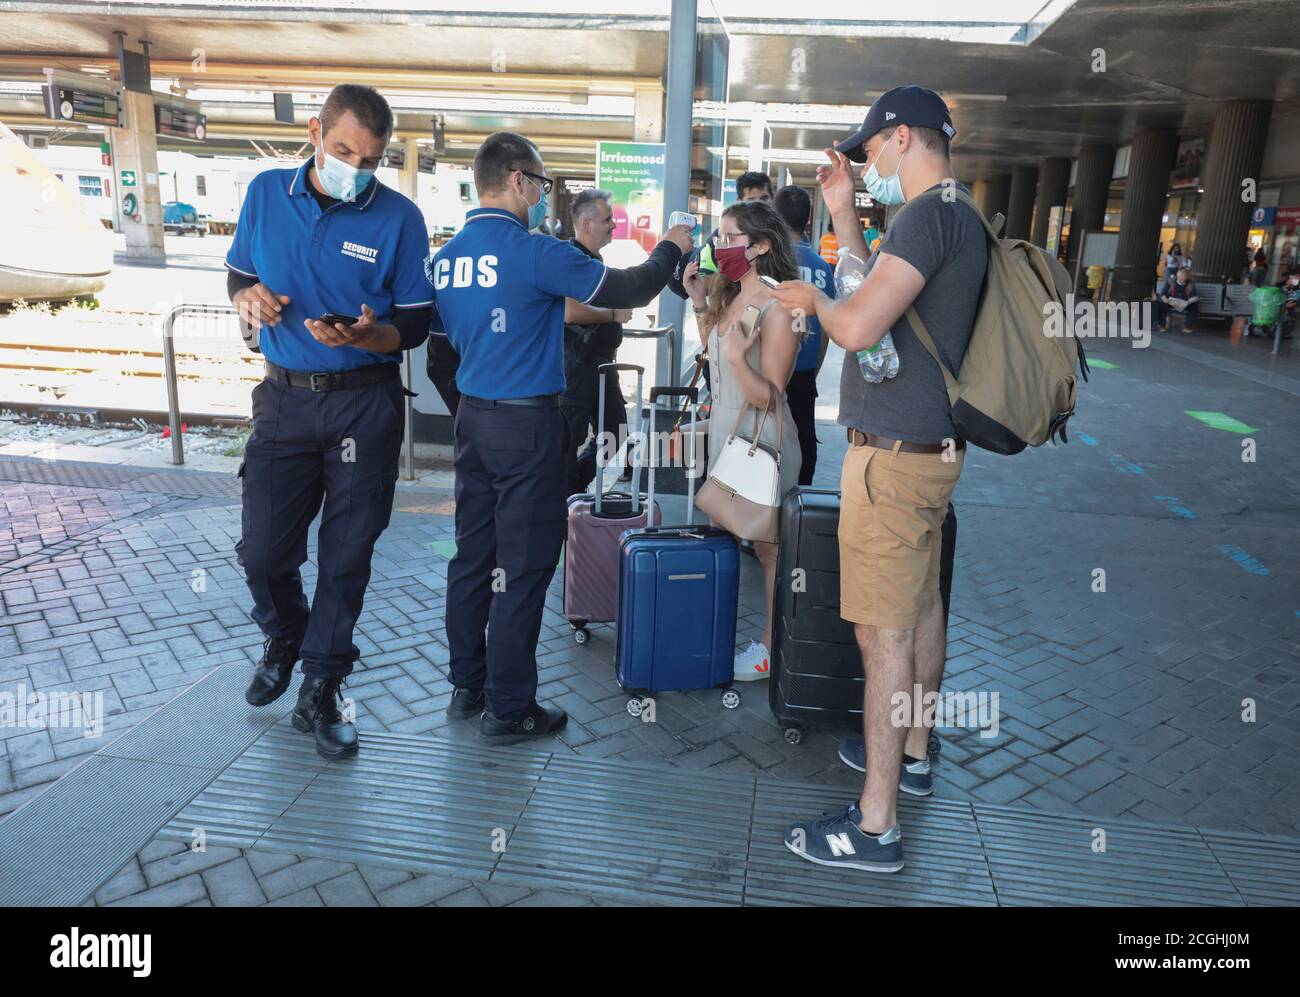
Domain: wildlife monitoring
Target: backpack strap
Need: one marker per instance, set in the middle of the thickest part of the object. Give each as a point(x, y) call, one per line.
point(923, 334)
point(962, 196)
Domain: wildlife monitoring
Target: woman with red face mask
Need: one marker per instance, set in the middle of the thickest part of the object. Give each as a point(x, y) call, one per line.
point(752, 242)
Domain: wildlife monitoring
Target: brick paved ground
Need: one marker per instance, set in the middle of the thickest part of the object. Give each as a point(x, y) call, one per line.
point(1127, 701)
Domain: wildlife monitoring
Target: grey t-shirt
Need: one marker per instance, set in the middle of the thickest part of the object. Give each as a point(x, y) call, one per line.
point(945, 241)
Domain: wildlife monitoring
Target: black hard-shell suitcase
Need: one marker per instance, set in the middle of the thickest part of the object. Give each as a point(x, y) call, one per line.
point(817, 678)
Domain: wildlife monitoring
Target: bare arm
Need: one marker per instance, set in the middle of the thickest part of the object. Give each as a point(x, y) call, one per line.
point(780, 346)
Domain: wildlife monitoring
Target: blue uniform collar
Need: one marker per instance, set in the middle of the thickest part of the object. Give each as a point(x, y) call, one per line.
point(476, 213)
point(301, 186)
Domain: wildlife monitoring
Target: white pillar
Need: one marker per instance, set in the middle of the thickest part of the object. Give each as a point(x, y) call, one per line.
point(135, 150)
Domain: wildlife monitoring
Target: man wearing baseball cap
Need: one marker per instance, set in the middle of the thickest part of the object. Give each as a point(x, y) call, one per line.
point(904, 456)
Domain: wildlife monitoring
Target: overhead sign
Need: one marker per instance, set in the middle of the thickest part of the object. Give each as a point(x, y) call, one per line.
point(395, 156)
point(427, 161)
point(1262, 217)
point(176, 117)
point(128, 178)
point(1287, 216)
point(83, 99)
point(633, 173)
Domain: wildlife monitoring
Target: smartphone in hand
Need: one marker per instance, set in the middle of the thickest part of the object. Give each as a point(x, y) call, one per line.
point(769, 281)
point(329, 318)
point(749, 320)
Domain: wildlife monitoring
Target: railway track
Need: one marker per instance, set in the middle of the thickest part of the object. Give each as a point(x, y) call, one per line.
point(55, 358)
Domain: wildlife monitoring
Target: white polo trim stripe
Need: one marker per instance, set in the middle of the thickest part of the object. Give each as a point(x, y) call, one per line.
point(231, 266)
point(604, 270)
point(413, 304)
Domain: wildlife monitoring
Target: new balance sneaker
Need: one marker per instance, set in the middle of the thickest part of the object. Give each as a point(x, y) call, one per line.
point(915, 777)
point(837, 839)
point(752, 663)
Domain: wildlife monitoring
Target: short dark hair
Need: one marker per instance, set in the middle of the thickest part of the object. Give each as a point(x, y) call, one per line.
point(795, 206)
point(500, 155)
point(367, 103)
point(930, 138)
point(752, 179)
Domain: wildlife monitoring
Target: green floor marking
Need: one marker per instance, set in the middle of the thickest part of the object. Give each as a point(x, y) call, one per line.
point(447, 548)
point(1220, 420)
point(1102, 364)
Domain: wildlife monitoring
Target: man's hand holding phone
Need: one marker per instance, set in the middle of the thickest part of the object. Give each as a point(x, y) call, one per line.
point(335, 330)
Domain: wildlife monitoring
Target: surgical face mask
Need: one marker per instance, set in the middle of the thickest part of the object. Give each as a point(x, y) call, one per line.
point(341, 181)
point(886, 190)
point(536, 212)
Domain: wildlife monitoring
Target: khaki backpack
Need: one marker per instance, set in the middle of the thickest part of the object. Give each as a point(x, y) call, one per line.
point(1016, 386)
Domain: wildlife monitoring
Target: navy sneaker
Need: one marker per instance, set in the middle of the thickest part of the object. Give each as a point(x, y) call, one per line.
point(914, 778)
point(838, 840)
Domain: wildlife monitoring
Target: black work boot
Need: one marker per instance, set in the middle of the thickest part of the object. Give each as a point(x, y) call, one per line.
point(273, 673)
point(537, 721)
point(318, 712)
point(466, 703)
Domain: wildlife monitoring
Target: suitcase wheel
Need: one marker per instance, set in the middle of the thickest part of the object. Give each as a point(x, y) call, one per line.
point(635, 706)
point(730, 698)
point(580, 632)
point(793, 735)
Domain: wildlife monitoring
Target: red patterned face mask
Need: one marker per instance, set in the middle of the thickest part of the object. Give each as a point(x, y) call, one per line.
point(732, 262)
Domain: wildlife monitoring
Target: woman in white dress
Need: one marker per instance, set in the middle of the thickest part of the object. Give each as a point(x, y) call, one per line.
point(752, 241)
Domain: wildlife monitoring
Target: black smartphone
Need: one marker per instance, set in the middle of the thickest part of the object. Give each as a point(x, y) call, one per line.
point(331, 319)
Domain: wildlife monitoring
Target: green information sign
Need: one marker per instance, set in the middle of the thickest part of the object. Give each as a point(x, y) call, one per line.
point(633, 173)
point(128, 178)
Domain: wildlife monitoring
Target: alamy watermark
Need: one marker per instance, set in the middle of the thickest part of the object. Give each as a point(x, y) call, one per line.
point(1088, 319)
point(38, 710)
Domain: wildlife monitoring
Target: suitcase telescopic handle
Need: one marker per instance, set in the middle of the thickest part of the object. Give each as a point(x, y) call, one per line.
point(690, 394)
point(601, 371)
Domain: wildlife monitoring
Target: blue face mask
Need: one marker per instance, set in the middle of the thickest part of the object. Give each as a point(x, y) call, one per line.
point(537, 212)
point(341, 181)
point(886, 190)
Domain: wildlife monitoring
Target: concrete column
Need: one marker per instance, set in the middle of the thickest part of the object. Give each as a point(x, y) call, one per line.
point(992, 195)
point(1020, 202)
point(1091, 188)
point(1235, 154)
point(1053, 185)
point(1146, 190)
point(135, 149)
point(648, 115)
point(677, 162)
point(408, 177)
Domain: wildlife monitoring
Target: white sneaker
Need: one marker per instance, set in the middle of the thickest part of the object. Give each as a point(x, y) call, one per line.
point(752, 663)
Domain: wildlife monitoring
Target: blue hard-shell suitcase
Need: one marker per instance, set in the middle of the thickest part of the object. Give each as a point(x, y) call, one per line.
point(678, 590)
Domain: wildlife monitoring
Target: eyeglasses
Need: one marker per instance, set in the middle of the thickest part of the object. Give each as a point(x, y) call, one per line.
point(723, 240)
point(546, 183)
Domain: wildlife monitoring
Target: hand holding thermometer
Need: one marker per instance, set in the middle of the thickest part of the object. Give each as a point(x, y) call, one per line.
point(683, 218)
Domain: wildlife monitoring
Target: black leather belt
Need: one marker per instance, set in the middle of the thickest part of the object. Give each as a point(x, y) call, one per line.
point(861, 439)
point(533, 401)
point(333, 380)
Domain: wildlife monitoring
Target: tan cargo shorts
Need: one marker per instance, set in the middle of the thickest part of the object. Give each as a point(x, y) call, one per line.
point(892, 506)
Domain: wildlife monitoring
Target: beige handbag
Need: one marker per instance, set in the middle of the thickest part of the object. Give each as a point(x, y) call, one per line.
point(743, 493)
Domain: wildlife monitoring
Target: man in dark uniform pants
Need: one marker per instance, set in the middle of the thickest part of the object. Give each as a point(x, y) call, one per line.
point(324, 239)
point(499, 297)
point(592, 337)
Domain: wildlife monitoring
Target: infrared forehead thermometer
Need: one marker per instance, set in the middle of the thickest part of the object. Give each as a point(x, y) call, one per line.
point(683, 218)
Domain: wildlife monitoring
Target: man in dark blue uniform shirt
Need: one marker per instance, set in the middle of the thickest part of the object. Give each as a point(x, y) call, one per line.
point(499, 298)
point(324, 239)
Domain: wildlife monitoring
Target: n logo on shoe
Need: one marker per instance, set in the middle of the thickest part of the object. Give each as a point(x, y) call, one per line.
point(840, 844)
point(529, 723)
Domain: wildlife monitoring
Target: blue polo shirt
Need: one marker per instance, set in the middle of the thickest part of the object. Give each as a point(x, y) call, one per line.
point(368, 251)
point(816, 271)
point(499, 295)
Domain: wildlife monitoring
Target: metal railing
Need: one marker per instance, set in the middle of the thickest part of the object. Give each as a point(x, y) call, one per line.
point(169, 368)
point(668, 332)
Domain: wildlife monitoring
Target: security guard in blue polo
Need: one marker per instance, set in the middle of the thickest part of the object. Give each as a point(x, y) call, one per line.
point(329, 264)
point(499, 295)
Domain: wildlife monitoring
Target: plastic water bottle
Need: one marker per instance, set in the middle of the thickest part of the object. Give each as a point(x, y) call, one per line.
point(880, 363)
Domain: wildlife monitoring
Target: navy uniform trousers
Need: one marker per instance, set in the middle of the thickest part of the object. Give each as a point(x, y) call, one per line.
point(510, 525)
point(340, 447)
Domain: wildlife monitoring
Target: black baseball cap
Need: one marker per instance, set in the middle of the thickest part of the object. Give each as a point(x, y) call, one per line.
point(913, 106)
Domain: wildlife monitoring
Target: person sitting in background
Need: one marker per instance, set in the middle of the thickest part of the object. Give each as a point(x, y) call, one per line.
point(794, 205)
point(1291, 291)
point(1181, 290)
